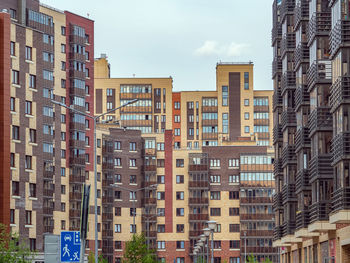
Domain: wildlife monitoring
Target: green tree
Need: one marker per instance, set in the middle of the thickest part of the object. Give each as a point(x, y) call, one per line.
point(136, 251)
point(101, 259)
point(13, 249)
point(251, 259)
point(267, 260)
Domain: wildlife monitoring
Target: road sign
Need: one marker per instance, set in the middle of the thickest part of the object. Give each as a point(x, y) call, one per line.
point(70, 246)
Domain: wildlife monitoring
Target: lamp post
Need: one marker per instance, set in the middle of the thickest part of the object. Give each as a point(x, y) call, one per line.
point(245, 246)
point(201, 253)
point(206, 232)
point(211, 226)
point(134, 198)
point(95, 119)
point(204, 239)
point(194, 256)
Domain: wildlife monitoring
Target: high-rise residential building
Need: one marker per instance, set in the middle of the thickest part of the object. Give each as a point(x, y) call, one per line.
point(310, 68)
point(210, 154)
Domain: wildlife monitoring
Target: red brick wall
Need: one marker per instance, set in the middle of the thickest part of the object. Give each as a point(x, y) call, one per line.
point(168, 147)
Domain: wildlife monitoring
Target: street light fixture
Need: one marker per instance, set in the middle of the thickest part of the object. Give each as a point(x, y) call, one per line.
point(201, 250)
point(206, 232)
point(212, 226)
point(95, 119)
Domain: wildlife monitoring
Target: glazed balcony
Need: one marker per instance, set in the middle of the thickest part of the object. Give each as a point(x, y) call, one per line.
point(149, 201)
point(288, 193)
point(150, 168)
point(301, 96)
point(288, 81)
point(287, 43)
point(107, 233)
point(77, 161)
point(302, 219)
point(277, 233)
point(287, 8)
point(340, 147)
point(320, 119)
point(198, 167)
point(77, 91)
point(131, 96)
point(108, 148)
point(320, 167)
point(302, 181)
point(77, 126)
point(341, 199)
point(262, 250)
point(288, 155)
point(319, 25)
point(340, 92)
point(48, 175)
point(277, 167)
point(255, 200)
point(288, 228)
point(76, 179)
point(198, 200)
point(107, 216)
point(276, 66)
point(301, 55)
point(74, 39)
point(198, 184)
point(76, 74)
point(48, 192)
point(319, 211)
point(107, 166)
point(249, 217)
point(319, 72)
point(302, 139)
point(75, 213)
point(288, 118)
point(106, 182)
point(277, 99)
point(339, 36)
point(301, 13)
point(108, 199)
point(209, 108)
point(257, 233)
point(48, 210)
point(198, 217)
point(277, 133)
point(75, 196)
point(77, 144)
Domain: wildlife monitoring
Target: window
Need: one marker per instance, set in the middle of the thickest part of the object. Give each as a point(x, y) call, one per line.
point(160, 179)
point(246, 115)
point(63, 30)
point(99, 230)
point(132, 196)
point(13, 104)
point(214, 162)
point(233, 195)
point(28, 107)
point(28, 217)
point(233, 162)
point(63, 154)
point(12, 160)
point(180, 211)
point(246, 129)
point(15, 77)
point(224, 96)
point(63, 189)
point(48, 148)
point(180, 245)
point(233, 179)
point(217, 244)
point(234, 227)
point(117, 228)
point(117, 178)
point(117, 211)
point(13, 48)
point(215, 211)
point(28, 53)
point(217, 228)
point(132, 162)
point(180, 260)
point(87, 106)
point(132, 146)
point(160, 162)
point(179, 195)
point(246, 80)
point(63, 48)
point(87, 124)
point(234, 244)
point(176, 105)
point(160, 211)
point(63, 207)
point(161, 228)
point(177, 118)
point(12, 216)
point(63, 83)
point(179, 162)
point(160, 244)
point(118, 245)
point(117, 145)
point(48, 57)
point(63, 65)
point(177, 132)
point(87, 73)
point(190, 105)
point(215, 195)
point(117, 162)
point(15, 132)
point(28, 162)
point(32, 190)
point(32, 81)
point(234, 260)
point(190, 131)
point(15, 188)
point(63, 224)
point(234, 211)
point(132, 179)
point(63, 171)
point(160, 146)
point(179, 179)
point(225, 123)
point(32, 244)
point(118, 260)
point(132, 228)
point(32, 136)
point(246, 102)
point(160, 195)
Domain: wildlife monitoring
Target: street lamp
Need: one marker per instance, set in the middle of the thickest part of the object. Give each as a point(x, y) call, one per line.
point(211, 226)
point(206, 232)
point(201, 253)
point(203, 239)
point(245, 246)
point(94, 118)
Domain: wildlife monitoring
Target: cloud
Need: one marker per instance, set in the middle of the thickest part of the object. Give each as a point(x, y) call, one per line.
point(210, 48)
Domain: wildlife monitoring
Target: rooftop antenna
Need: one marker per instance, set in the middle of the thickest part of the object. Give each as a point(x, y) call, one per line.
point(88, 15)
point(134, 75)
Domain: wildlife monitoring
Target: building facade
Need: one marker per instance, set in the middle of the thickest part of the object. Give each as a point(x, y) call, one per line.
point(309, 74)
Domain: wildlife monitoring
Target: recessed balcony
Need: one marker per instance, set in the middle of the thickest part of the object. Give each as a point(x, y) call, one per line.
point(340, 92)
point(301, 13)
point(288, 118)
point(302, 139)
point(288, 155)
point(302, 181)
point(340, 206)
point(320, 119)
point(319, 72)
point(340, 147)
point(339, 36)
point(320, 24)
point(301, 55)
point(320, 167)
point(288, 82)
point(288, 193)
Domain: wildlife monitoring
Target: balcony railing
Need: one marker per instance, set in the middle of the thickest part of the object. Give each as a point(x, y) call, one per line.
point(199, 217)
point(257, 233)
point(288, 118)
point(320, 167)
point(301, 55)
point(339, 36)
point(277, 166)
point(341, 199)
point(288, 227)
point(277, 133)
point(107, 216)
point(198, 167)
point(320, 119)
point(340, 92)
point(288, 193)
point(198, 184)
point(288, 155)
point(262, 250)
point(76, 179)
point(319, 72)
point(288, 81)
point(74, 213)
point(198, 200)
point(320, 211)
point(107, 233)
point(150, 200)
point(276, 33)
point(287, 8)
point(301, 13)
point(302, 181)
point(301, 97)
point(302, 139)
point(255, 200)
point(257, 217)
point(277, 99)
point(276, 66)
point(150, 168)
point(302, 219)
point(287, 43)
point(77, 161)
point(319, 25)
point(277, 233)
point(340, 147)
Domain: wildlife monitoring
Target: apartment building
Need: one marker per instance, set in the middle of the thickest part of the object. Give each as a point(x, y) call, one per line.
point(198, 145)
point(310, 129)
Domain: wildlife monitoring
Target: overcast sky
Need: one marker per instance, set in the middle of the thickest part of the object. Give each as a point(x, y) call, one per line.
point(180, 38)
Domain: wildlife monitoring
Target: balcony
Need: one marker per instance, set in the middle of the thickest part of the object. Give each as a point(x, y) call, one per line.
point(210, 136)
point(48, 174)
point(199, 217)
point(319, 25)
point(107, 233)
point(108, 199)
point(320, 119)
point(287, 8)
point(198, 167)
point(302, 219)
point(209, 109)
point(277, 233)
point(260, 250)
point(107, 166)
point(257, 233)
point(76, 74)
point(48, 192)
point(339, 36)
point(107, 216)
point(106, 182)
point(319, 72)
point(195, 233)
point(108, 148)
point(288, 118)
point(319, 211)
point(48, 229)
point(277, 167)
point(198, 184)
point(250, 217)
point(277, 99)
point(301, 96)
point(150, 168)
point(287, 43)
point(77, 161)
point(301, 55)
point(77, 126)
point(288, 193)
point(288, 155)
point(301, 13)
point(340, 147)
point(320, 167)
point(140, 96)
point(341, 199)
point(302, 181)
point(77, 39)
point(276, 66)
point(288, 81)
point(76, 179)
point(302, 139)
point(77, 144)
point(149, 218)
point(149, 201)
point(77, 91)
point(277, 133)
point(198, 200)
point(151, 234)
point(77, 56)
point(276, 33)
point(255, 200)
point(75, 196)
point(48, 210)
point(74, 213)
point(340, 92)
point(288, 228)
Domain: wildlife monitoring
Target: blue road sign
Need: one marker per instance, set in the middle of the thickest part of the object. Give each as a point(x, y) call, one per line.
point(70, 246)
